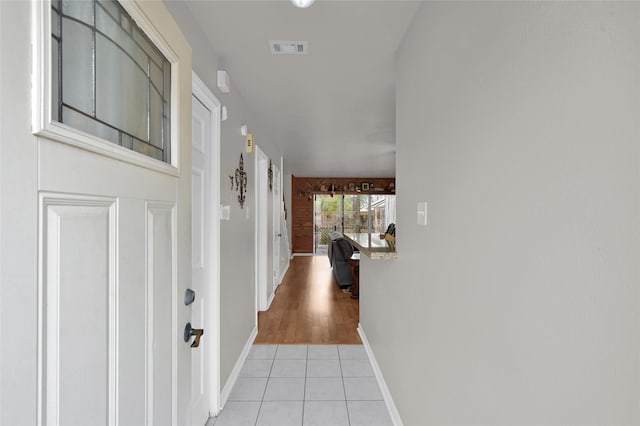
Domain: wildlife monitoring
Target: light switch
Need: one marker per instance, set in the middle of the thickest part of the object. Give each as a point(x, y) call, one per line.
point(225, 212)
point(422, 213)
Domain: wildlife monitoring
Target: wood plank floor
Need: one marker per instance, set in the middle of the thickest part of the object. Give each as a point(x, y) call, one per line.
point(309, 308)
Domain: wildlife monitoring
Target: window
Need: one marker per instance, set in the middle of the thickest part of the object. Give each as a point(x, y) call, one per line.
point(107, 77)
point(351, 213)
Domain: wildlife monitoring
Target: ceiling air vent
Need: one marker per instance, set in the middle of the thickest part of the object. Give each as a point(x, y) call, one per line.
point(280, 47)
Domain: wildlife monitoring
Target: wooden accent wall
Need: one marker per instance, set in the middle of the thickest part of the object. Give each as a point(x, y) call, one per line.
point(302, 190)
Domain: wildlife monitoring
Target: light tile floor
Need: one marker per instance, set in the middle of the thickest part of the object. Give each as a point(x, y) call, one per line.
point(300, 385)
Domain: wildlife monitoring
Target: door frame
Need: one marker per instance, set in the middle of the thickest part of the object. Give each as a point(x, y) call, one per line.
point(262, 231)
point(276, 207)
point(200, 90)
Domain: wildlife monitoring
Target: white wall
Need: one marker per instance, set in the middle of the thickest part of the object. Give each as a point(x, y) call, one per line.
point(519, 304)
point(237, 275)
point(18, 219)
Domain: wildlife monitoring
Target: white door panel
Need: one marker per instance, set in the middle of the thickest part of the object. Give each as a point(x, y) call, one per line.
point(108, 289)
point(277, 211)
point(204, 310)
point(197, 218)
point(201, 139)
point(79, 252)
point(263, 284)
point(160, 300)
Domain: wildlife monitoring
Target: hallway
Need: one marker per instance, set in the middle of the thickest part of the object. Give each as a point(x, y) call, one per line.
point(309, 308)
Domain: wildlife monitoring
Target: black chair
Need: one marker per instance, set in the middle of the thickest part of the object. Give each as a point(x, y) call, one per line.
point(340, 251)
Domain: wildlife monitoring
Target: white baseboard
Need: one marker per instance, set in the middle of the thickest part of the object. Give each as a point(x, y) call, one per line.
point(273, 294)
point(235, 373)
point(302, 254)
point(283, 273)
point(278, 282)
point(386, 394)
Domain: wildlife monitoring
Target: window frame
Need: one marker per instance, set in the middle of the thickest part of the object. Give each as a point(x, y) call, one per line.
point(45, 126)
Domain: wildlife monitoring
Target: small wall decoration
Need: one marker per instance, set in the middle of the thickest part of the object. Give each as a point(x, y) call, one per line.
point(241, 182)
point(270, 175)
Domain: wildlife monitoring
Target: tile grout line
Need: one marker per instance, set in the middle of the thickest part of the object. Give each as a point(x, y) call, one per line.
point(346, 405)
point(304, 391)
point(266, 386)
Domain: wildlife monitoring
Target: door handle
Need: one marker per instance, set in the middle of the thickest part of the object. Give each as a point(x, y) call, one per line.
point(279, 235)
point(190, 331)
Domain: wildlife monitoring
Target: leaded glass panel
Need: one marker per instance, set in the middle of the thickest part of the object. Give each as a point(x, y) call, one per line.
point(77, 65)
point(108, 79)
point(80, 10)
point(120, 82)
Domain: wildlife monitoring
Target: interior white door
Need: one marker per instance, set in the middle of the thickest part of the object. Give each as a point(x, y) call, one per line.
point(262, 231)
point(277, 234)
point(204, 265)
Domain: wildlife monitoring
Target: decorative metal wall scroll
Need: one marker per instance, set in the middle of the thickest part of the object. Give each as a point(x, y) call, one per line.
point(270, 175)
point(241, 182)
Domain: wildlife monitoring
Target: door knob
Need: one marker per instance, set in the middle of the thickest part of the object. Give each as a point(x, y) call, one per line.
point(189, 331)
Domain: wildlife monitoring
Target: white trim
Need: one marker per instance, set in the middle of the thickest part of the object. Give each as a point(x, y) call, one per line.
point(1, 257)
point(200, 90)
point(153, 210)
point(149, 326)
point(114, 311)
point(175, 328)
point(283, 272)
point(302, 254)
point(386, 394)
point(262, 231)
point(41, 121)
point(278, 282)
point(270, 301)
point(276, 228)
point(235, 373)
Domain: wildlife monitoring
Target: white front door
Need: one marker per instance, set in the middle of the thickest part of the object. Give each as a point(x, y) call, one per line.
point(205, 252)
point(108, 288)
point(95, 337)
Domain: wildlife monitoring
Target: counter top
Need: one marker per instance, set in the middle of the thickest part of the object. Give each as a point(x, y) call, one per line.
point(372, 246)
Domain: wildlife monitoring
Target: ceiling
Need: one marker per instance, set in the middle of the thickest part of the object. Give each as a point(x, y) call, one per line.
point(333, 110)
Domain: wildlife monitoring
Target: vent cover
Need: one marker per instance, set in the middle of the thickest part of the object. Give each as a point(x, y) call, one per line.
point(281, 47)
